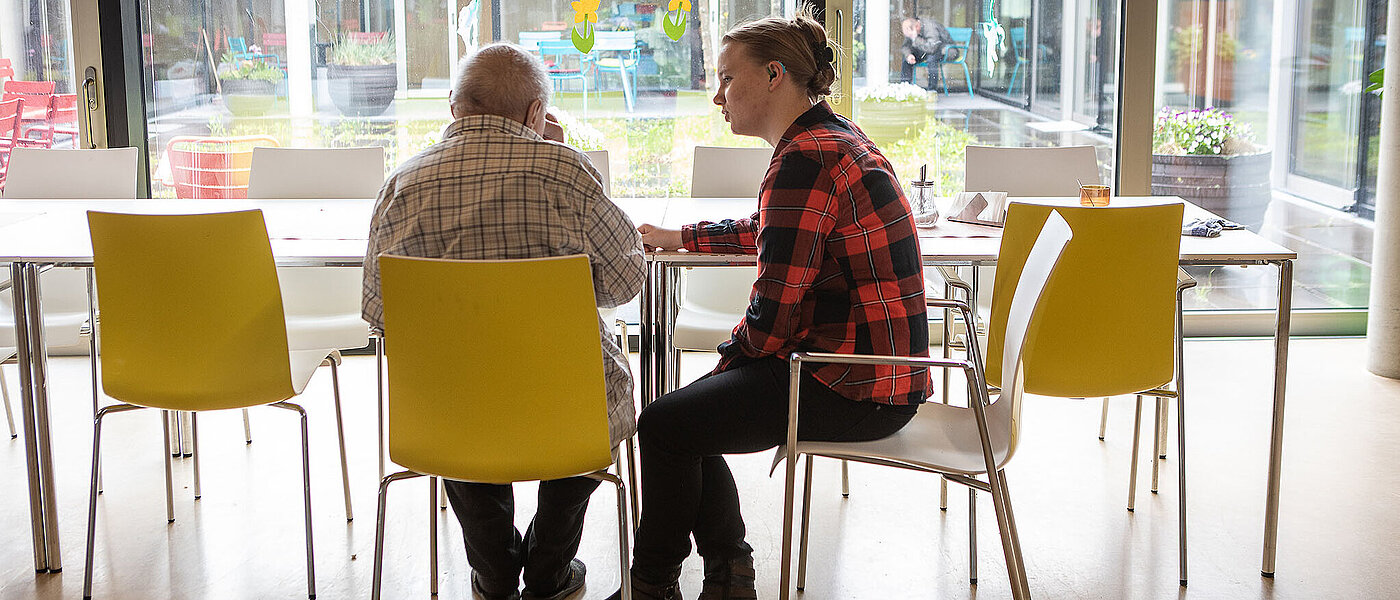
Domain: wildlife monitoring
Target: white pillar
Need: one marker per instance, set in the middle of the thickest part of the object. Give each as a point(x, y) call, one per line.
point(401, 44)
point(1383, 323)
point(877, 42)
point(298, 15)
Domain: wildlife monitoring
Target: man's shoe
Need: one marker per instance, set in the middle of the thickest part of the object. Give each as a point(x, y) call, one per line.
point(572, 584)
point(731, 579)
point(642, 590)
point(481, 593)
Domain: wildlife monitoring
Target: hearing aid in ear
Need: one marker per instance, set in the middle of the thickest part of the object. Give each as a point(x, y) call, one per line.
point(772, 74)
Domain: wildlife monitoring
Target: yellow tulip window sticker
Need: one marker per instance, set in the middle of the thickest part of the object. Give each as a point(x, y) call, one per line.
point(677, 14)
point(585, 15)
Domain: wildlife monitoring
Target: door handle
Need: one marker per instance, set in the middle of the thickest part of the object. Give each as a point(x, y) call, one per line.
point(89, 102)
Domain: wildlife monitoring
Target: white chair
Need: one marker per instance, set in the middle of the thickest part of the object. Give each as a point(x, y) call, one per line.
point(713, 299)
point(956, 442)
point(599, 158)
point(39, 174)
point(322, 305)
point(1030, 171)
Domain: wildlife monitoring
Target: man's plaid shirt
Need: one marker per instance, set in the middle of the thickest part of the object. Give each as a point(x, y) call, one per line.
point(494, 189)
point(838, 262)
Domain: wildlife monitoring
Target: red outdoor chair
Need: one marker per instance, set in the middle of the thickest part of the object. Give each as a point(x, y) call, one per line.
point(37, 95)
point(7, 70)
point(10, 113)
point(62, 119)
point(213, 167)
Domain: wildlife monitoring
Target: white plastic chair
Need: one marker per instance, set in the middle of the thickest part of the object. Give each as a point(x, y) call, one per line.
point(713, 299)
point(959, 443)
point(599, 158)
point(1030, 171)
point(322, 305)
point(40, 174)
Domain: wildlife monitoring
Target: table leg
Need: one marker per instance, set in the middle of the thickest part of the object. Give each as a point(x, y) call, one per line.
point(43, 501)
point(646, 342)
point(1285, 307)
point(26, 393)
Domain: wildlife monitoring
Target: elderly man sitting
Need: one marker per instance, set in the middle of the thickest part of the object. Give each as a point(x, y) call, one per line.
point(496, 188)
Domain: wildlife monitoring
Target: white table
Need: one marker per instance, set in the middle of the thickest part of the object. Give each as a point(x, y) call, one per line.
point(660, 375)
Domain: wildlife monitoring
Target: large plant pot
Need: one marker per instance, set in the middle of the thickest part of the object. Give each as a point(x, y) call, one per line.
point(362, 91)
point(1234, 187)
point(248, 97)
point(888, 122)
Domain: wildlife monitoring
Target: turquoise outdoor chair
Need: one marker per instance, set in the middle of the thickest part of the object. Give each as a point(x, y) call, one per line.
point(566, 63)
point(239, 47)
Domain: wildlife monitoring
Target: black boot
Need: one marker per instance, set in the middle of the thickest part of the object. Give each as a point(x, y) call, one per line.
point(641, 590)
point(731, 579)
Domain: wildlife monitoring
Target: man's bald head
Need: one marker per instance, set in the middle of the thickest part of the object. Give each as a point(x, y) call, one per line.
point(500, 79)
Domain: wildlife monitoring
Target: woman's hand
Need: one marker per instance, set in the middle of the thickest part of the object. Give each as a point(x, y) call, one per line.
point(659, 238)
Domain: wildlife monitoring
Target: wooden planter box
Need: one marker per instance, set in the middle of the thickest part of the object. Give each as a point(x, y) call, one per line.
point(1234, 187)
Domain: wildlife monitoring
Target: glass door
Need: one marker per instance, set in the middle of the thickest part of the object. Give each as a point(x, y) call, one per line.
point(1327, 99)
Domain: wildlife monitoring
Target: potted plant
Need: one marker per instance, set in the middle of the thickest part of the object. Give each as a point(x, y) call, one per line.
point(1209, 158)
point(248, 87)
point(362, 75)
point(888, 113)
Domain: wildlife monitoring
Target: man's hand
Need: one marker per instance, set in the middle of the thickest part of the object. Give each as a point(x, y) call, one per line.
point(659, 238)
point(909, 58)
point(552, 129)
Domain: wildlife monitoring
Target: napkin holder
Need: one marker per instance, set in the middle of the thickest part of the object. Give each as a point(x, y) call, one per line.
point(979, 208)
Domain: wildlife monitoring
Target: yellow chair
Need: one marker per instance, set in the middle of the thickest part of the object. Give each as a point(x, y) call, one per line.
point(958, 443)
point(486, 411)
point(179, 295)
point(1115, 316)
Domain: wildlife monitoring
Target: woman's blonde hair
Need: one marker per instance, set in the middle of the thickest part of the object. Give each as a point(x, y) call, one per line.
point(799, 43)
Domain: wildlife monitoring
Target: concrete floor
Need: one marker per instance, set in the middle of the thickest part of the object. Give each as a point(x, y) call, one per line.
point(888, 540)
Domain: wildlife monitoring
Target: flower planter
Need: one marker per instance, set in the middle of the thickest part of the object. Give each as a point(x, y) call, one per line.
point(248, 97)
point(362, 91)
point(1234, 187)
point(889, 122)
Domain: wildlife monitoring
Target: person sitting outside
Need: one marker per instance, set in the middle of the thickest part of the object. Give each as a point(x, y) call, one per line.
point(501, 185)
point(925, 41)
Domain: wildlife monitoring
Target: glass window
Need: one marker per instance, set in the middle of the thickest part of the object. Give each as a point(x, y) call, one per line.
point(1283, 144)
point(36, 68)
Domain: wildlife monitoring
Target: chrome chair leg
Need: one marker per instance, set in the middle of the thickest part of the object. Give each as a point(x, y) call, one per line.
point(947, 353)
point(1025, 584)
point(1103, 419)
point(433, 485)
point(194, 447)
point(174, 448)
point(169, 487)
point(306, 495)
point(9, 414)
point(624, 551)
point(247, 428)
point(186, 448)
point(1162, 424)
point(806, 521)
point(1181, 438)
point(1133, 467)
point(379, 398)
point(340, 435)
point(92, 490)
point(1156, 442)
point(632, 482)
point(785, 560)
point(442, 499)
point(845, 479)
point(971, 535)
point(379, 527)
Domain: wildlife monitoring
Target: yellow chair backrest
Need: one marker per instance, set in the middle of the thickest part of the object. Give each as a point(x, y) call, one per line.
point(495, 368)
point(191, 312)
point(1106, 321)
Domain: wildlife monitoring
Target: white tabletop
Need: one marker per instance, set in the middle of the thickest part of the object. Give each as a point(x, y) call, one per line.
point(333, 232)
point(1241, 246)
